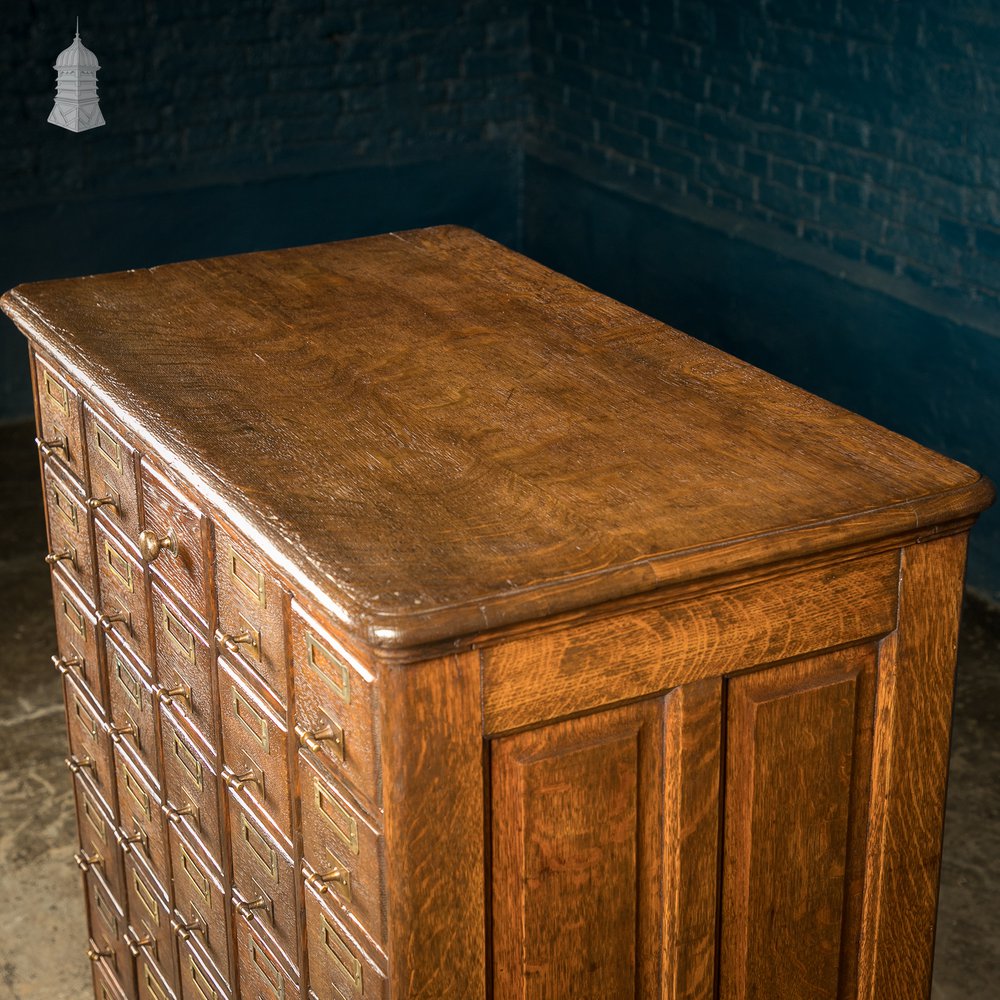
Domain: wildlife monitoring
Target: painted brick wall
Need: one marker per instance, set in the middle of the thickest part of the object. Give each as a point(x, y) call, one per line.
point(199, 92)
point(868, 130)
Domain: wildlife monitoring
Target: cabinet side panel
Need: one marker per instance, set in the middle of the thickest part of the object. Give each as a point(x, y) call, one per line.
point(798, 758)
point(577, 820)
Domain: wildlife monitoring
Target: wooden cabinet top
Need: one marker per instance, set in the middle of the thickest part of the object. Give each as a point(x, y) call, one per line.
point(437, 437)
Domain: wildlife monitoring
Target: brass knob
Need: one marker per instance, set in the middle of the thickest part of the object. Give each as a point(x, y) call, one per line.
point(313, 739)
point(232, 642)
point(247, 907)
point(67, 553)
point(46, 447)
point(106, 621)
point(77, 764)
point(94, 503)
point(151, 544)
point(117, 732)
point(136, 943)
point(167, 695)
point(237, 781)
point(96, 954)
point(183, 930)
point(174, 815)
point(63, 663)
point(321, 881)
point(126, 840)
point(86, 861)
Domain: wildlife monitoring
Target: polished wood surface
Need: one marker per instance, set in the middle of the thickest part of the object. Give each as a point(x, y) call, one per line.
point(433, 628)
point(434, 435)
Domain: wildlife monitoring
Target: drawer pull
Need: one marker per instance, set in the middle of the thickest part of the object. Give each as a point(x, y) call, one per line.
point(136, 943)
point(174, 815)
point(151, 544)
point(184, 930)
point(321, 881)
point(314, 739)
point(126, 840)
point(95, 954)
point(95, 503)
point(247, 907)
point(108, 621)
point(238, 781)
point(68, 553)
point(167, 695)
point(233, 641)
point(117, 732)
point(86, 861)
point(77, 764)
point(64, 663)
point(49, 445)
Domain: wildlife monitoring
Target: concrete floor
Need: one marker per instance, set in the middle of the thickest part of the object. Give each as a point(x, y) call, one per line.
point(42, 931)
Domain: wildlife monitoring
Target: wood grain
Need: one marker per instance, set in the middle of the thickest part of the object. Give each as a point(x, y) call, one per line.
point(434, 776)
point(913, 723)
point(528, 681)
point(498, 442)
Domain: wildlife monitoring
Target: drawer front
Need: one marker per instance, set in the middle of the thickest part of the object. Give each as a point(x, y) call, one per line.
point(106, 985)
point(89, 746)
point(140, 818)
point(251, 612)
point(132, 711)
point(106, 918)
point(178, 558)
point(98, 846)
point(69, 530)
point(199, 901)
point(263, 881)
point(334, 706)
point(198, 982)
point(151, 980)
point(343, 852)
point(59, 416)
point(123, 594)
point(76, 633)
point(183, 666)
point(190, 786)
point(263, 972)
point(148, 916)
point(113, 487)
point(339, 968)
point(254, 747)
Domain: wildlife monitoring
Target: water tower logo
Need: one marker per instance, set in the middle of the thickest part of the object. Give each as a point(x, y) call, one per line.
point(76, 106)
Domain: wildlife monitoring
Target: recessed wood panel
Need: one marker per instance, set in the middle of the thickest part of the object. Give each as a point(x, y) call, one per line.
point(798, 761)
point(577, 812)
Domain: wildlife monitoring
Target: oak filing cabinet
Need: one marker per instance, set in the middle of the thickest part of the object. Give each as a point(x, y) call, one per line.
point(435, 627)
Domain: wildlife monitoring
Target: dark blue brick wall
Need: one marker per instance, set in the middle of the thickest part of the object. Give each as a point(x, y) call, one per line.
point(868, 130)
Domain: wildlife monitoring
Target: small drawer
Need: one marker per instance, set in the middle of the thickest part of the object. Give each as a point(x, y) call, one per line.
point(343, 853)
point(89, 746)
point(263, 880)
point(251, 612)
point(334, 706)
point(106, 917)
point(199, 901)
point(198, 980)
point(264, 974)
point(113, 491)
point(184, 666)
point(106, 985)
point(152, 980)
point(60, 434)
point(148, 916)
point(132, 711)
point(173, 540)
point(254, 746)
point(339, 968)
point(140, 818)
point(76, 633)
point(98, 845)
point(123, 594)
point(190, 786)
point(69, 530)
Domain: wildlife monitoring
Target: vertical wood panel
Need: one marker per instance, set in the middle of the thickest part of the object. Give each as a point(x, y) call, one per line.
point(913, 720)
point(577, 821)
point(797, 764)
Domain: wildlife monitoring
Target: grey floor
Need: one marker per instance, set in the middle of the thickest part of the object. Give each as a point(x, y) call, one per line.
point(42, 931)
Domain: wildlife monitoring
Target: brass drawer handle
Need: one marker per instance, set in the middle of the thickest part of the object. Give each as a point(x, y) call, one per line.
point(49, 445)
point(321, 881)
point(107, 621)
point(86, 861)
point(64, 663)
point(247, 907)
point(238, 781)
point(126, 840)
point(233, 641)
point(313, 739)
point(58, 556)
point(95, 503)
point(167, 695)
point(174, 815)
point(96, 954)
point(77, 764)
point(184, 930)
point(117, 732)
point(136, 943)
point(151, 544)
